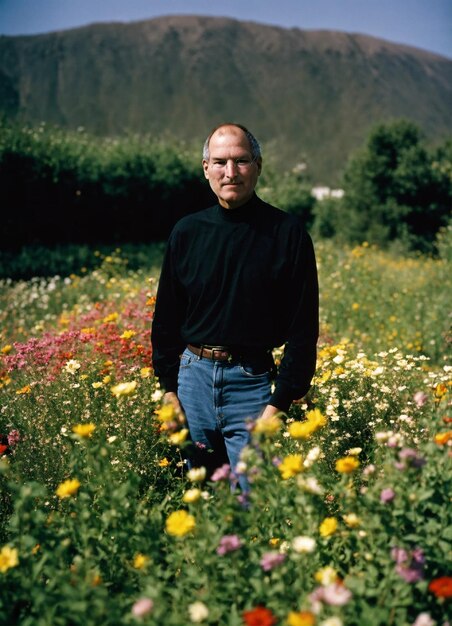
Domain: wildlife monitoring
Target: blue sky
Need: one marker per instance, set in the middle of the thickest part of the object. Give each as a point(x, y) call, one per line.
point(424, 24)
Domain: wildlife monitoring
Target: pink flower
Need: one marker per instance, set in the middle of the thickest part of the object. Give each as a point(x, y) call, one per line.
point(336, 594)
point(424, 619)
point(229, 543)
point(409, 566)
point(420, 398)
point(142, 607)
point(270, 560)
point(221, 473)
point(13, 437)
point(387, 495)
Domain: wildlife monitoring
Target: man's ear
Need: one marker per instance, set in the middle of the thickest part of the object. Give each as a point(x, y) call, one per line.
point(259, 165)
point(205, 166)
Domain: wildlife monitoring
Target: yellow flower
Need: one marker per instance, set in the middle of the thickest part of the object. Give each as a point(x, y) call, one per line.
point(355, 306)
point(347, 464)
point(84, 430)
point(110, 318)
point(268, 426)
point(128, 334)
point(68, 488)
point(441, 438)
point(180, 523)
point(163, 462)
point(328, 527)
point(9, 558)
point(6, 349)
point(177, 438)
point(291, 465)
point(145, 372)
point(106, 379)
point(23, 390)
point(274, 542)
point(316, 418)
point(140, 561)
point(191, 495)
point(300, 430)
point(166, 414)
point(352, 520)
point(124, 389)
point(326, 575)
point(97, 384)
point(302, 618)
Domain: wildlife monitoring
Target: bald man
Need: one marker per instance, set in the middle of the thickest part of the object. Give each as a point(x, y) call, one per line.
point(238, 279)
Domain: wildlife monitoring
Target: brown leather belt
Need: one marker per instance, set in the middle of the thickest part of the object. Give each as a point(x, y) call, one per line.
point(225, 353)
point(215, 353)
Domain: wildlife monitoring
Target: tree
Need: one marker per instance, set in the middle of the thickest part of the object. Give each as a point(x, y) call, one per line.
point(395, 189)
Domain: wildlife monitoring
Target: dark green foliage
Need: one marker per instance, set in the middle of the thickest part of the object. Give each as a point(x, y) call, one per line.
point(61, 187)
point(395, 190)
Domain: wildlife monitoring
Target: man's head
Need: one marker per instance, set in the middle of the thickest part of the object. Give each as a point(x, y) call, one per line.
point(232, 163)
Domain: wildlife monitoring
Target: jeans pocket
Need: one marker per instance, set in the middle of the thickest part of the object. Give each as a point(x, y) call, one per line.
point(254, 370)
point(186, 359)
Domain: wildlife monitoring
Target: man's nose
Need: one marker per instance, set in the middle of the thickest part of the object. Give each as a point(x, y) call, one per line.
point(231, 168)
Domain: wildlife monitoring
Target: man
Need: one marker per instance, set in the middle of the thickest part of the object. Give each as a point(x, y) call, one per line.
point(238, 280)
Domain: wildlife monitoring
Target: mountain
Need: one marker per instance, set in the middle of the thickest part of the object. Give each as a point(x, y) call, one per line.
point(309, 96)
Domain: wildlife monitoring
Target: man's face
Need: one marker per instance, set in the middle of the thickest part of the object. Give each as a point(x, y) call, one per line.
point(231, 173)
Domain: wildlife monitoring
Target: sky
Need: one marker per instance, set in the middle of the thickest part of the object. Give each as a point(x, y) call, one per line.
point(425, 24)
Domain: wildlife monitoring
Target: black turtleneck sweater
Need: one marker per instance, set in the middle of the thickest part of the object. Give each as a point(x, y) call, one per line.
point(239, 277)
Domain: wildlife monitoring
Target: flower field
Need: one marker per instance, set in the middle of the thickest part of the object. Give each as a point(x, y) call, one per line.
point(348, 521)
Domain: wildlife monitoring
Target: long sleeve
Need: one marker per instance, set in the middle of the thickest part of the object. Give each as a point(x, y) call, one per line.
point(302, 307)
point(170, 307)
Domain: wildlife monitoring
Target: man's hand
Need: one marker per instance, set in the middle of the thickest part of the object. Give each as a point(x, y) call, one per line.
point(270, 410)
point(171, 398)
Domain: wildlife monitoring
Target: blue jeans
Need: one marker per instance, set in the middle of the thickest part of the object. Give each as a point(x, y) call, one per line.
point(219, 398)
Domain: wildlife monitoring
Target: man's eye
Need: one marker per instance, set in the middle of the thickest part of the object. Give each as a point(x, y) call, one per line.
point(220, 162)
point(242, 161)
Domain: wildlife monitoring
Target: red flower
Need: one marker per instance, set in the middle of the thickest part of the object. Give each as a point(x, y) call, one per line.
point(3, 449)
point(441, 587)
point(260, 616)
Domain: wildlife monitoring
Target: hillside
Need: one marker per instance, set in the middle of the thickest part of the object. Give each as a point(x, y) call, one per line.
point(308, 95)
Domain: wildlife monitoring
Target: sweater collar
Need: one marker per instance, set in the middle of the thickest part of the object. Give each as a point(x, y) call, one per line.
point(241, 213)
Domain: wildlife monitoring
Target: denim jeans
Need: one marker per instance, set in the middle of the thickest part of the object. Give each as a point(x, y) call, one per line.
point(219, 398)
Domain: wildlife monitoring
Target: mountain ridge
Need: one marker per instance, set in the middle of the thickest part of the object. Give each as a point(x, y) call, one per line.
point(307, 95)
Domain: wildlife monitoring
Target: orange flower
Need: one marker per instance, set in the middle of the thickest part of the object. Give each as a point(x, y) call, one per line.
point(302, 618)
point(443, 438)
point(23, 390)
point(260, 616)
point(441, 587)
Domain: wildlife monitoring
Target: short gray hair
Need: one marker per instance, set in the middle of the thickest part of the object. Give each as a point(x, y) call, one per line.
point(254, 144)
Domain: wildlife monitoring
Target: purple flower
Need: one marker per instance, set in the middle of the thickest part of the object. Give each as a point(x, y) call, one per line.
point(270, 560)
point(229, 543)
point(221, 473)
point(420, 398)
point(142, 607)
point(387, 495)
point(399, 555)
point(13, 438)
point(409, 565)
point(410, 458)
point(410, 574)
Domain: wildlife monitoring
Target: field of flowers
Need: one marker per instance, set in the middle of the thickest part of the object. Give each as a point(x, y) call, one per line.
point(348, 521)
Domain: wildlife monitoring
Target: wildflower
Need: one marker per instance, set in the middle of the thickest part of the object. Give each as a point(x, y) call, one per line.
point(6, 349)
point(140, 561)
point(9, 557)
point(106, 379)
point(409, 566)
point(23, 390)
point(179, 523)
point(166, 413)
point(259, 616)
point(270, 560)
point(441, 587)
point(191, 496)
point(124, 389)
point(84, 430)
point(110, 318)
point(303, 545)
point(142, 607)
point(229, 543)
point(127, 334)
point(145, 372)
point(328, 527)
point(302, 618)
point(310, 485)
point(291, 465)
point(441, 438)
point(68, 488)
point(196, 474)
point(326, 575)
point(221, 473)
point(424, 619)
point(157, 395)
point(268, 426)
point(387, 495)
point(409, 458)
point(332, 621)
point(163, 462)
point(352, 520)
point(72, 366)
point(420, 398)
point(347, 464)
point(97, 385)
point(198, 612)
point(176, 439)
point(336, 594)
